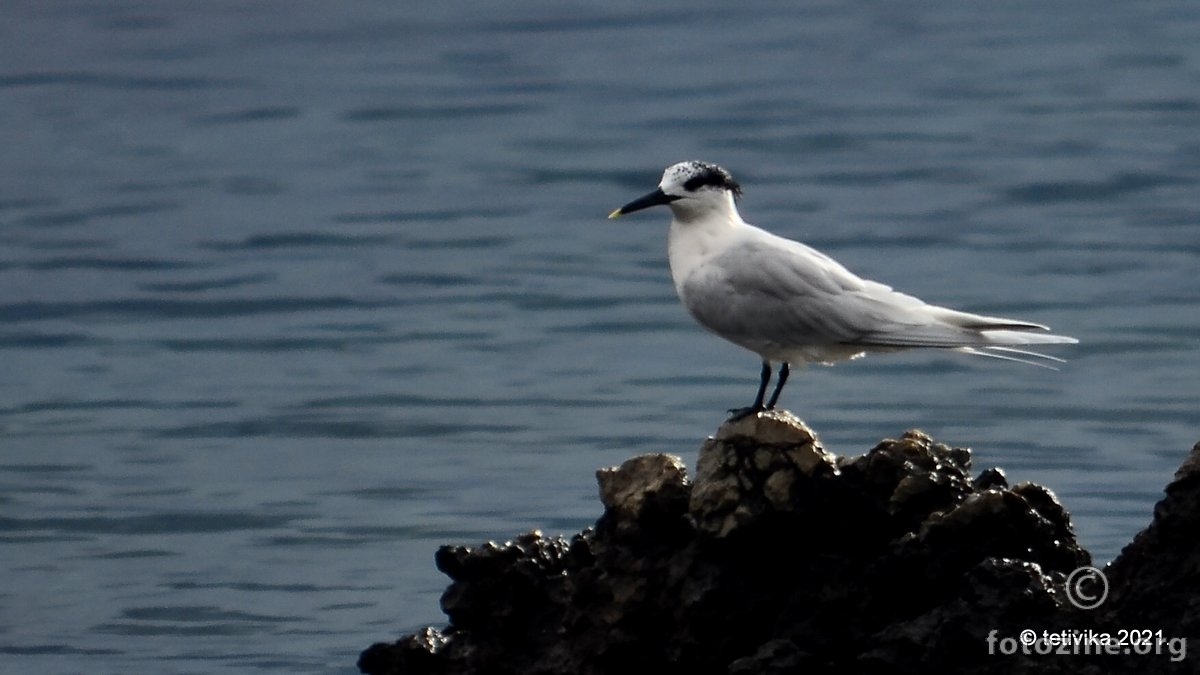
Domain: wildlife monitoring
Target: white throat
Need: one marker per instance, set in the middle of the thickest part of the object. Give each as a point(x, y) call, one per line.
point(698, 232)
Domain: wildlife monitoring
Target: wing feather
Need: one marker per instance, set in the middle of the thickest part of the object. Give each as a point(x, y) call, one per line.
point(774, 294)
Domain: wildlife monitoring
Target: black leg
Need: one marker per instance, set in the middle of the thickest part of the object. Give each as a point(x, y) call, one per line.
point(783, 375)
point(762, 385)
point(757, 407)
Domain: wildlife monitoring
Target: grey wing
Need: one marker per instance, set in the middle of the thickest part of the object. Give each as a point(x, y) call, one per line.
point(785, 294)
point(782, 296)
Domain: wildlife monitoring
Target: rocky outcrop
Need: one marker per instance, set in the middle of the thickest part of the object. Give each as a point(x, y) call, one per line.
point(1155, 582)
point(783, 558)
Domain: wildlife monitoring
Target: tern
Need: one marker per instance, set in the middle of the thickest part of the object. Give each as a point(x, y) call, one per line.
point(791, 304)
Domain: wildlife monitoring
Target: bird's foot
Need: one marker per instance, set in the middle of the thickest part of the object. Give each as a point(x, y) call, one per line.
point(736, 414)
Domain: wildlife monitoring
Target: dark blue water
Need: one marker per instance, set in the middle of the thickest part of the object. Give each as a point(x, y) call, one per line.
point(294, 292)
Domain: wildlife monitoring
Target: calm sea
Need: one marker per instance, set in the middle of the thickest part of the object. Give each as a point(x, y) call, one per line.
point(294, 292)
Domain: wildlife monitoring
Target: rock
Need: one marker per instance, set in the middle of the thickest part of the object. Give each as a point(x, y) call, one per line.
point(752, 468)
point(506, 582)
point(782, 558)
point(643, 489)
point(991, 478)
point(774, 657)
point(1152, 583)
point(416, 653)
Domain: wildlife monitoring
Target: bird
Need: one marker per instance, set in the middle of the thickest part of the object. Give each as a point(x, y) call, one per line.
point(793, 305)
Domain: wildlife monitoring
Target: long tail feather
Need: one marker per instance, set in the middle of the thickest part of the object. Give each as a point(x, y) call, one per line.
point(1026, 352)
point(992, 353)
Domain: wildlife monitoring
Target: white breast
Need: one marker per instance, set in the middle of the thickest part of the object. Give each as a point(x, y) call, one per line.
point(692, 244)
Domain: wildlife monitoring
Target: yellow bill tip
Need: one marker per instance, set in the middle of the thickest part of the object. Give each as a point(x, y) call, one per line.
point(615, 214)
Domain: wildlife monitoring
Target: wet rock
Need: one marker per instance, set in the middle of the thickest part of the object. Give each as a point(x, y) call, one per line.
point(783, 558)
point(416, 653)
point(509, 582)
point(991, 478)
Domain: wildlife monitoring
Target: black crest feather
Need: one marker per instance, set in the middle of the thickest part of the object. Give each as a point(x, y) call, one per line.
point(711, 174)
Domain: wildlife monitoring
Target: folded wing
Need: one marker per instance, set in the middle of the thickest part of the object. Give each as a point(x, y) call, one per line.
point(779, 294)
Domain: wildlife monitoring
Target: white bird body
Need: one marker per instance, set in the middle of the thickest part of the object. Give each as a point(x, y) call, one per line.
point(790, 303)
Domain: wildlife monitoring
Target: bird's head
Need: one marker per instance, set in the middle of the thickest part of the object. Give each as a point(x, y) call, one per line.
point(692, 189)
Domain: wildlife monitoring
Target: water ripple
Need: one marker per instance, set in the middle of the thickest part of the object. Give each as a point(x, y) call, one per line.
point(179, 309)
point(115, 264)
point(1111, 188)
point(158, 523)
point(52, 649)
point(308, 426)
point(85, 216)
point(45, 340)
point(260, 114)
point(112, 81)
point(204, 285)
point(297, 240)
point(440, 113)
